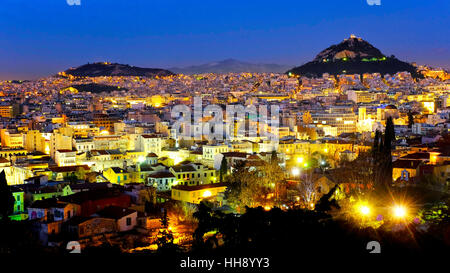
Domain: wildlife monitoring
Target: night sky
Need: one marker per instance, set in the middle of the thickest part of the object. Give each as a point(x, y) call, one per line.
point(41, 37)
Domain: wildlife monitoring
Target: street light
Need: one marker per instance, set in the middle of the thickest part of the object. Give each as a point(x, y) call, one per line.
point(300, 159)
point(399, 212)
point(364, 210)
point(295, 171)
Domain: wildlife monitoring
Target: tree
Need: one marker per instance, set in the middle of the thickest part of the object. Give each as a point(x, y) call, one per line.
point(165, 237)
point(164, 219)
point(389, 137)
point(382, 157)
point(251, 188)
point(389, 134)
point(6, 198)
point(410, 119)
point(274, 157)
point(362, 172)
point(307, 190)
point(376, 141)
point(307, 118)
point(223, 168)
point(326, 202)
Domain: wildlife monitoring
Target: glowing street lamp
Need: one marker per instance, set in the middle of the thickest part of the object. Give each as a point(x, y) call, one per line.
point(300, 159)
point(364, 210)
point(295, 171)
point(399, 212)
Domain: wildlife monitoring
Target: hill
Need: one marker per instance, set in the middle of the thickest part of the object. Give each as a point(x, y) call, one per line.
point(115, 69)
point(353, 56)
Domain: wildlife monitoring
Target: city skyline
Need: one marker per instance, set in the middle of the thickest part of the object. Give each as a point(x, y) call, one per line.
point(225, 135)
point(52, 36)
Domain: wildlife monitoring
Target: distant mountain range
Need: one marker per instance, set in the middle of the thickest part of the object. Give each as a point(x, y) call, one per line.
point(353, 56)
point(230, 66)
point(115, 69)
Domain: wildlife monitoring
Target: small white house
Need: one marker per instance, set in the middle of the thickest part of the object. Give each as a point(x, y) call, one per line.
point(66, 158)
point(126, 219)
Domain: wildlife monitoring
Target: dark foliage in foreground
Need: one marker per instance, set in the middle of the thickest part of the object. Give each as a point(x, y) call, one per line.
point(278, 232)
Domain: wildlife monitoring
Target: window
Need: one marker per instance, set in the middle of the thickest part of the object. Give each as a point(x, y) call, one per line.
point(128, 221)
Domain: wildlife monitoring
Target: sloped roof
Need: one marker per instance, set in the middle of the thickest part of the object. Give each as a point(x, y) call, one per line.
point(199, 187)
point(115, 212)
point(184, 168)
point(417, 156)
point(64, 169)
point(118, 170)
point(406, 164)
point(162, 175)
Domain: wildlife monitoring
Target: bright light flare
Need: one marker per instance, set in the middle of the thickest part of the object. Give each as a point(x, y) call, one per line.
point(295, 171)
point(207, 193)
point(364, 210)
point(300, 159)
point(399, 211)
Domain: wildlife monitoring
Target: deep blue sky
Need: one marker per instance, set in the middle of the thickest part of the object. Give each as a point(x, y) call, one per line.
point(42, 37)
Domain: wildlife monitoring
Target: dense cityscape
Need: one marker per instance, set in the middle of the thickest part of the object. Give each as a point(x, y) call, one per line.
point(112, 158)
point(107, 166)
